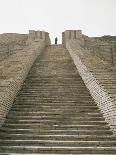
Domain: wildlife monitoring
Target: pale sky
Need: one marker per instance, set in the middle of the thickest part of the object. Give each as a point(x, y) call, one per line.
point(93, 17)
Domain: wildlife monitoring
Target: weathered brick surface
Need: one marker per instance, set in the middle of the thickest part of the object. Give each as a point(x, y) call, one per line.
point(102, 47)
point(10, 43)
point(13, 71)
point(98, 77)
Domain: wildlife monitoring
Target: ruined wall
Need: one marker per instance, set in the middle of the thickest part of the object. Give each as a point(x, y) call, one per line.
point(98, 76)
point(14, 69)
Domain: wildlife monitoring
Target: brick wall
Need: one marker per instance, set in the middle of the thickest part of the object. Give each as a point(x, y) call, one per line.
point(94, 78)
point(13, 72)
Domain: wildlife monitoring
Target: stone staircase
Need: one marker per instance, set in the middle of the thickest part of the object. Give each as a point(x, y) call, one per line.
point(54, 112)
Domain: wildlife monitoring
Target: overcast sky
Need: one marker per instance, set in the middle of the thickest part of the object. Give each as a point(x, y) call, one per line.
point(93, 17)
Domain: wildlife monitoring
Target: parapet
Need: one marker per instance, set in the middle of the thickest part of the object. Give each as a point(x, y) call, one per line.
point(72, 35)
point(35, 36)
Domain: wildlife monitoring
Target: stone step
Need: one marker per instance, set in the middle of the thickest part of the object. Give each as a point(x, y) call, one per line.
point(54, 123)
point(42, 87)
point(54, 96)
point(57, 143)
point(54, 73)
point(52, 86)
point(60, 79)
point(45, 103)
point(62, 119)
point(52, 108)
point(55, 105)
point(26, 101)
point(93, 124)
point(21, 130)
point(58, 149)
point(16, 114)
point(44, 78)
point(34, 118)
point(61, 99)
point(72, 113)
point(54, 128)
point(58, 92)
point(29, 136)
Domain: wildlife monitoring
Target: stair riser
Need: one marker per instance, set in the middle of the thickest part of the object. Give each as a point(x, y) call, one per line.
point(60, 150)
point(37, 118)
point(54, 143)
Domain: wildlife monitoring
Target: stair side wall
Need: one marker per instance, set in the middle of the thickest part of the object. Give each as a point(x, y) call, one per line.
point(14, 70)
point(98, 92)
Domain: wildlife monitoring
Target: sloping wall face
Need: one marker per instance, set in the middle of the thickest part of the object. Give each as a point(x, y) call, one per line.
point(14, 69)
point(99, 76)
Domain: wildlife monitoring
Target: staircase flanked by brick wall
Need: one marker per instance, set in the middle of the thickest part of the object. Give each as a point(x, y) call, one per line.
point(98, 74)
point(54, 112)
